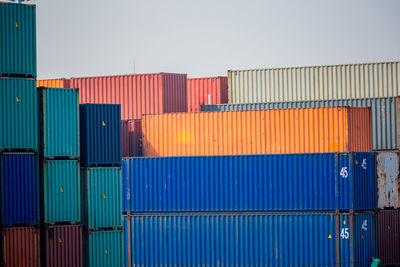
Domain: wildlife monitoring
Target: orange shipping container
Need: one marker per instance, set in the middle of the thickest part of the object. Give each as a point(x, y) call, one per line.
point(307, 130)
point(54, 83)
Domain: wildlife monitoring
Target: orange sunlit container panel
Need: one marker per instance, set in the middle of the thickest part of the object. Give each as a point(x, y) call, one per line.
point(206, 91)
point(305, 130)
point(54, 83)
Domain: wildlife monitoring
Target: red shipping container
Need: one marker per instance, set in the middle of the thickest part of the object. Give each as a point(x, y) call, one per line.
point(206, 91)
point(131, 138)
point(63, 246)
point(137, 93)
point(21, 247)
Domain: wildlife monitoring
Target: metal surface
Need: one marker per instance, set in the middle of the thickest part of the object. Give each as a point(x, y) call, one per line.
point(21, 247)
point(61, 191)
point(59, 108)
point(138, 93)
point(18, 114)
point(131, 138)
point(100, 134)
point(208, 91)
point(370, 80)
point(54, 83)
point(389, 237)
point(102, 197)
point(63, 246)
point(384, 115)
point(103, 249)
point(17, 39)
point(19, 189)
point(333, 129)
point(388, 179)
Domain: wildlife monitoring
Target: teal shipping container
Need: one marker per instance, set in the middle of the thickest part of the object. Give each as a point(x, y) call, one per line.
point(101, 197)
point(59, 113)
point(61, 191)
point(18, 114)
point(103, 248)
point(17, 39)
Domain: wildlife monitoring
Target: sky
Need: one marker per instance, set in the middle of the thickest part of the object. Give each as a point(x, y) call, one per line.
point(208, 37)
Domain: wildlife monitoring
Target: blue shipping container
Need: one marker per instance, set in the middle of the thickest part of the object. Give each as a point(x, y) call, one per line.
point(312, 181)
point(274, 239)
point(19, 189)
point(100, 134)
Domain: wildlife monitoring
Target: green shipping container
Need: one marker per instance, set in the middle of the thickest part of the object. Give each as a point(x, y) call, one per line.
point(17, 39)
point(101, 197)
point(18, 114)
point(59, 112)
point(61, 191)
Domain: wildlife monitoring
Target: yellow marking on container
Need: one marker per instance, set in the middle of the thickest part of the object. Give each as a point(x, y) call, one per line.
point(356, 162)
point(362, 236)
point(60, 240)
point(62, 190)
point(17, 99)
point(104, 124)
point(106, 251)
point(329, 236)
point(344, 222)
point(104, 196)
point(16, 24)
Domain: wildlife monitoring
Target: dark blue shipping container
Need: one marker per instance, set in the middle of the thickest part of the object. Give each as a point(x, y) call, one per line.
point(263, 239)
point(19, 189)
point(100, 134)
point(321, 181)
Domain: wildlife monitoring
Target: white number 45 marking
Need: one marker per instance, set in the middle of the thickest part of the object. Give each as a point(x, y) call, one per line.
point(364, 164)
point(344, 233)
point(344, 173)
point(364, 225)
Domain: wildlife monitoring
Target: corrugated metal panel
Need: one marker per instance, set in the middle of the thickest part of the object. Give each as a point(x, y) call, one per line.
point(60, 122)
point(21, 247)
point(63, 246)
point(103, 249)
point(388, 180)
point(202, 91)
point(131, 138)
point(389, 236)
point(19, 189)
point(384, 115)
point(102, 197)
point(100, 134)
point(257, 132)
point(138, 93)
point(257, 182)
point(54, 83)
point(18, 114)
point(61, 191)
point(17, 39)
point(353, 81)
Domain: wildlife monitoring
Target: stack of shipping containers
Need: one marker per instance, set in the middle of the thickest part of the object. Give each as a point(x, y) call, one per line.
point(20, 234)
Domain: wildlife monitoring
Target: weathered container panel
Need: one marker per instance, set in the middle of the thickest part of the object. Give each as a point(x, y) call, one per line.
point(202, 91)
point(61, 191)
point(17, 39)
point(388, 179)
point(138, 93)
point(19, 114)
point(336, 129)
point(54, 83)
point(100, 134)
point(131, 138)
point(19, 189)
point(59, 108)
point(370, 80)
point(389, 237)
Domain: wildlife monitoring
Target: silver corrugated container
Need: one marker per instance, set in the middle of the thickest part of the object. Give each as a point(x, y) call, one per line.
point(384, 115)
point(350, 81)
point(388, 179)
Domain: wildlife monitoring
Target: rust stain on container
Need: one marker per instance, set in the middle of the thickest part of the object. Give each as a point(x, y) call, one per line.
point(54, 83)
point(389, 237)
point(336, 129)
point(388, 179)
point(131, 138)
point(206, 91)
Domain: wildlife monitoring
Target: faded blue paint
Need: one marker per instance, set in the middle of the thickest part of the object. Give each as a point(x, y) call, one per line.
point(103, 249)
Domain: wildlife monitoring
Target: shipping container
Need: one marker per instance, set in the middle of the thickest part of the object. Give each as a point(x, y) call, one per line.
point(19, 189)
point(17, 39)
point(388, 179)
point(54, 83)
point(103, 249)
point(384, 115)
point(389, 237)
point(208, 91)
point(61, 191)
point(59, 112)
point(252, 239)
point(137, 93)
point(63, 245)
point(102, 197)
point(100, 134)
point(21, 247)
point(336, 129)
point(352, 81)
point(326, 181)
point(19, 114)
point(131, 138)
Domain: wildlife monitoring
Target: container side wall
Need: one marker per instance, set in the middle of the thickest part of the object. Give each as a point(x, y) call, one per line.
point(364, 183)
point(388, 180)
point(131, 138)
point(364, 239)
point(174, 93)
point(360, 132)
point(206, 91)
point(389, 236)
point(53, 83)
point(126, 184)
point(104, 248)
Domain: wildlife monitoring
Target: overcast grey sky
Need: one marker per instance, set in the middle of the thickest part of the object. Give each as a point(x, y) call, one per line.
point(208, 37)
